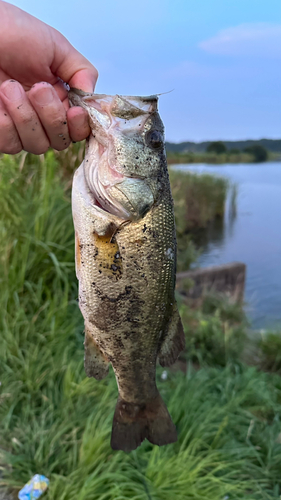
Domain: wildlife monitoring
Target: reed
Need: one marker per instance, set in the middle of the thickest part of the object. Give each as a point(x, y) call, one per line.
point(199, 199)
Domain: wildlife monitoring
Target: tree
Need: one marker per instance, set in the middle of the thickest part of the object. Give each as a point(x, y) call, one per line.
point(258, 152)
point(217, 147)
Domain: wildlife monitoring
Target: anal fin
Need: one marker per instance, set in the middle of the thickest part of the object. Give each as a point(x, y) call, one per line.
point(95, 362)
point(174, 340)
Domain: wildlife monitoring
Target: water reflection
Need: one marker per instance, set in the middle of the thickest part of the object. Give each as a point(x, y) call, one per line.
point(250, 234)
point(212, 235)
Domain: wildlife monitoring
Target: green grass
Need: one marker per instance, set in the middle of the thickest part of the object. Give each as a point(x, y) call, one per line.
point(55, 421)
point(199, 199)
point(216, 334)
point(270, 351)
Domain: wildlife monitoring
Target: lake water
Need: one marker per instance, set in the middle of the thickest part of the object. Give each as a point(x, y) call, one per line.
point(252, 236)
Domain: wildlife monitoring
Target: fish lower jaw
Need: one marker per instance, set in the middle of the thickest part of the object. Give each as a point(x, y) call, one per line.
point(115, 209)
point(108, 205)
point(116, 197)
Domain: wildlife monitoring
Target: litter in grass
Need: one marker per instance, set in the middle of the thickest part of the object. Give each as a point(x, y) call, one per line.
point(34, 488)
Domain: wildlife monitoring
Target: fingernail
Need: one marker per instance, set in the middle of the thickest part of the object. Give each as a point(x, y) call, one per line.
point(44, 96)
point(12, 90)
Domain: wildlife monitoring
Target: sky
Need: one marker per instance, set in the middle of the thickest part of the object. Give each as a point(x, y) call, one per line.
point(220, 58)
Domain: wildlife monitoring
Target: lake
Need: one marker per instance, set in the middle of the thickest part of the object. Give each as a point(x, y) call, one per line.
point(252, 236)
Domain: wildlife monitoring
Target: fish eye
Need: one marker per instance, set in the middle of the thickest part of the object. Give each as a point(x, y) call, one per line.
point(154, 139)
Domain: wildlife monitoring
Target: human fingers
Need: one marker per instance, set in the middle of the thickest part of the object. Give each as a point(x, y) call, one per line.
point(25, 118)
point(78, 123)
point(71, 66)
point(52, 114)
point(85, 79)
point(78, 72)
point(9, 138)
point(61, 89)
point(76, 117)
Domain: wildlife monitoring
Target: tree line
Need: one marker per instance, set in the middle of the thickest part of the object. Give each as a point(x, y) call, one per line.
point(258, 151)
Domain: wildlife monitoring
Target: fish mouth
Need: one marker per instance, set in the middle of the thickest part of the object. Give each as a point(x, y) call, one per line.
point(127, 197)
point(115, 105)
point(135, 196)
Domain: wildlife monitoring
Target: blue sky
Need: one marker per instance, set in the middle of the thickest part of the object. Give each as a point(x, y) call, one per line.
point(221, 58)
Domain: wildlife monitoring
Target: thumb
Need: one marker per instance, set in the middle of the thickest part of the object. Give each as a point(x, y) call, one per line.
point(71, 66)
point(84, 79)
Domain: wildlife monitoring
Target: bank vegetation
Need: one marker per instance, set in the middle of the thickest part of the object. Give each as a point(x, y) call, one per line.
point(57, 422)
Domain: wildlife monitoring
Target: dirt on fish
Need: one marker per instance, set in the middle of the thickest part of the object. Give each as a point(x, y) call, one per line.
point(126, 261)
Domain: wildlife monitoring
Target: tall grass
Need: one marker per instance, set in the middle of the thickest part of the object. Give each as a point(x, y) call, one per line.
point(55, 421)
point(216, 333)
point(199, 199)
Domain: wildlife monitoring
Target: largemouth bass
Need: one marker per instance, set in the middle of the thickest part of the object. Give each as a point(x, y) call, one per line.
point(126, 260)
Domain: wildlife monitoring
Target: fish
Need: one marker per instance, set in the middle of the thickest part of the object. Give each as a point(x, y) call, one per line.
point(125, 255)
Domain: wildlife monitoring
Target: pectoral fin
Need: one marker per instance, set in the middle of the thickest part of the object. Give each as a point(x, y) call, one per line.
point(174, 340)
point(95, 362)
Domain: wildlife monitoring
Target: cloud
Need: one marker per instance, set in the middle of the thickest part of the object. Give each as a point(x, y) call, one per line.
point(249, 39)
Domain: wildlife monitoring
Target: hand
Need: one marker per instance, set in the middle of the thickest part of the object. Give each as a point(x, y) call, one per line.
point(35, 60)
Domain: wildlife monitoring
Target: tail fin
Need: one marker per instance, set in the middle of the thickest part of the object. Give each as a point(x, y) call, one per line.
point(132, 423)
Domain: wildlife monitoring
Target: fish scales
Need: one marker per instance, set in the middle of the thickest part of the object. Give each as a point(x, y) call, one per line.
point(125, 261)
point(113, 298)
